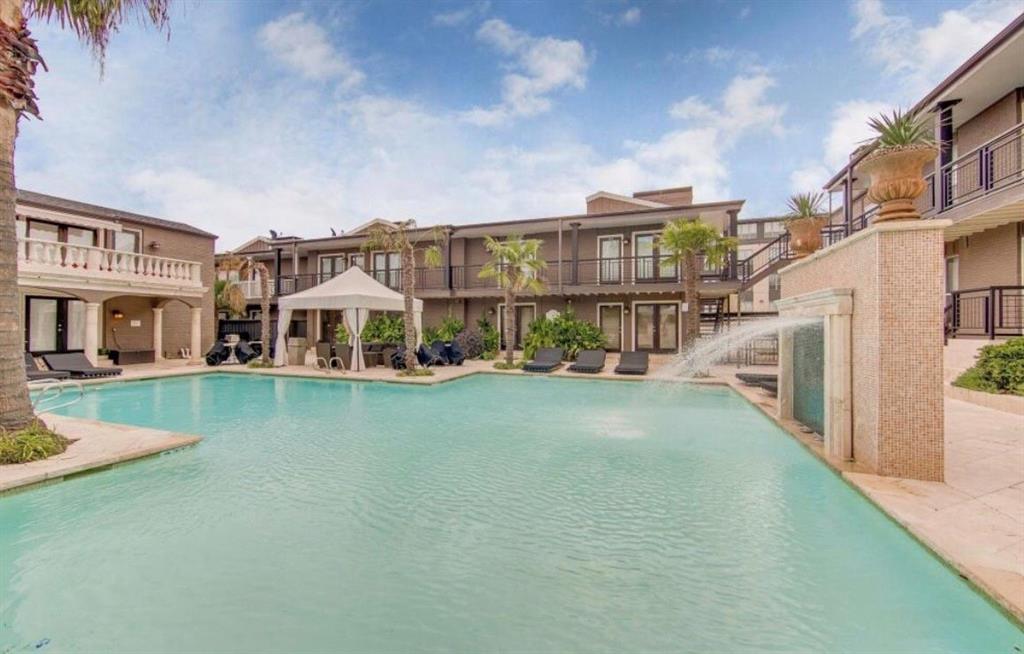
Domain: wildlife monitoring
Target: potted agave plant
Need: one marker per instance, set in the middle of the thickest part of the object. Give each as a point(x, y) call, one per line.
point(804, 222)
point(903, 146)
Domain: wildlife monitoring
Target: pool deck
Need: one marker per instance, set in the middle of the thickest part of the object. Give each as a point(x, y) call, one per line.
point(974, 520)
point(97, 445)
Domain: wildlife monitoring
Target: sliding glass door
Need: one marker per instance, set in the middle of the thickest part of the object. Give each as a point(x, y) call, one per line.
point(54, 325)
point(657, 327)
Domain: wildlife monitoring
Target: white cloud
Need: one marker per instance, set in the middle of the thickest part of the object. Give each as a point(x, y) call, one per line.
point(744, 12)
point(920, 56)
point(743, 107)
point(629, 17)
point(809, 177)
point(303, 45)
point(462, 16)
point(848, 129)
point(540, 65)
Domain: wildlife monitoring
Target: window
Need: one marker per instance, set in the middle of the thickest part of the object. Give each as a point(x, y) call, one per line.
point(127, 241)
point(331, 266)
point(43, 231)
point(747, 300)
point(357, 260)
point(387, 268)
point(81, 236)
point(747, 230)
point(774, 287)
point(774, 228)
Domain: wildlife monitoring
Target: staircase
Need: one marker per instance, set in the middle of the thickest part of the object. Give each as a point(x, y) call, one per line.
point(712, 315)
point(760, 264)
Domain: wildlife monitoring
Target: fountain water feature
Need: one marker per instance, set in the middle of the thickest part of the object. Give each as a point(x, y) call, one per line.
point(699, 358)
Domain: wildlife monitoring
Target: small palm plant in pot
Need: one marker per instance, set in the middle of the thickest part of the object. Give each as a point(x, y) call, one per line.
point(804, 222)
point(904, 144)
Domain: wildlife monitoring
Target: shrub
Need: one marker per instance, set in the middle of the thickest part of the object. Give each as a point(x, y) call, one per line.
point(431, 334)
point(32, 443)
point(489, 335)
point(384, 329)
point(471, 343)
point(516, 365)
point(416, 372)
point(257, 363)
point(999, 369)
point(341, 334)
point(564, 331)
point(450, 328)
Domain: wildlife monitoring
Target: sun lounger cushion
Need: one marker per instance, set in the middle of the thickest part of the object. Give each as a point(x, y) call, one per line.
point(33, 373)
point(77, 365)
point(632, 363)
point(547, 359)
point(589, 361)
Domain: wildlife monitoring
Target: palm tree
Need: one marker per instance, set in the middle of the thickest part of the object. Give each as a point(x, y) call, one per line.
point(680, 243)
point(228, 297)
point(399, 237)
point(93, 21)
point(250, 266)
point(516, 264)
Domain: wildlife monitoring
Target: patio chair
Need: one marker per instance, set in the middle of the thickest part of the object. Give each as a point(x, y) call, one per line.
point(75, 364)
point(438, 349)
point(455, 354)
point(755, 379)
point(589, 361)
point(326, 360)
point(427, 357)
point(633, 363)
point(218, 354)
point(547, 359)
point(33, 372)
point(245, 352)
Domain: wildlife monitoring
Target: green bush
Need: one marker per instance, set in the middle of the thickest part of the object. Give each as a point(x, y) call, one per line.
point(341, 334)
point(491, 338)
point(33, 443)
point(384, 329)
point(431, 334)
point(565, 331)
point(516, 365)
point(999, 369)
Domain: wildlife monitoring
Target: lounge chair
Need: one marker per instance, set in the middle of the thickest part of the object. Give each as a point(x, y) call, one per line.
point(632, 363)
point(245, 352)
point(326, 360)
point(547, 359)
point(771, 386)
point(455, 354)
point(33, 372)
point(589, 361)
point(438, 349)
point(218, 354)
point(75, 364)
point(428, 357)
point(755, 379)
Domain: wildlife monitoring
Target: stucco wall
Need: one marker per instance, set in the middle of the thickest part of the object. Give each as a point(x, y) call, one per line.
point(896, 274)
point(988, 258)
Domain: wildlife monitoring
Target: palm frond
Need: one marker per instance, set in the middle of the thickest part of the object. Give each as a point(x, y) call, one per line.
point(805, 205)
point(901, 128)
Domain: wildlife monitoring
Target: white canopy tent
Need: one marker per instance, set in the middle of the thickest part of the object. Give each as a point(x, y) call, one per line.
point(353, 292)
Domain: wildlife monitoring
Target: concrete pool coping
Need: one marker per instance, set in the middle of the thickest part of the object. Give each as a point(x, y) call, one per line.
point(910, 504)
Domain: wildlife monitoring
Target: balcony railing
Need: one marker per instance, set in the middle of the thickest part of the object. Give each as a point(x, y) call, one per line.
point(614, 272)
point(42, 257)
point(985, 169)
point(993, 311)
point(764, 261)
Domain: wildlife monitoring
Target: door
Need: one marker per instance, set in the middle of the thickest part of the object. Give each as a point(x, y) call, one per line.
point(387, 269)
point(648, 260)
point(609, 318)
point(330, 267)
point(609, 253)
point(54, 325)
point(657, 327)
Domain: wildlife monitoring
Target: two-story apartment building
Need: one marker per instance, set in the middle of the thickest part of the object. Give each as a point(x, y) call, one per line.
point(604, 264)
point(92, 278)
point(753, 235)
point(976, 181)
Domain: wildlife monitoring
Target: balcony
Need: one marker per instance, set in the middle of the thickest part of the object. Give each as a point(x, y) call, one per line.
point(66, 265)
point(585, 276)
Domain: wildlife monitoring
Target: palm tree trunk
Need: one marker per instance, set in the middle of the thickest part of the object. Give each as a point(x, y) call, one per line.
point(692, 301)
point(15, 407)
point(510, 326)
point(408, 288)
point(265, 314)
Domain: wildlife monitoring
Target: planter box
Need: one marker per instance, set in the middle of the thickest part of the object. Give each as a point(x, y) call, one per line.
point(129, 357)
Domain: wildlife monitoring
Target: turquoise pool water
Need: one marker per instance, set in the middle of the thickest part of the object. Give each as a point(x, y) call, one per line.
point(487, 514)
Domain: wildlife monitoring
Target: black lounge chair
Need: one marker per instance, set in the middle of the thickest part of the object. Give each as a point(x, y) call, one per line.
point(589, 361)
point(75, 364)
point(245, 352)
point(438, 349)
point(455, 354)
point(218, 354)
point(771, 386)
point(632, 363)
point(755, 378)
point(35, 374)
point(547, 359)
point(428, 357)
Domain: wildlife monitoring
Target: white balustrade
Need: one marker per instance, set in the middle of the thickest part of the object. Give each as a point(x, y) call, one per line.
point(41, 256)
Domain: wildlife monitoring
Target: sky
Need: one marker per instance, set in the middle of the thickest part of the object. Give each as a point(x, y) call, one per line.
point(307, 116)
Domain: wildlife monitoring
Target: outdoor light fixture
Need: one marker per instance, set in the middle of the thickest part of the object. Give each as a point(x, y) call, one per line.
point(117, 314)
point(154, 245)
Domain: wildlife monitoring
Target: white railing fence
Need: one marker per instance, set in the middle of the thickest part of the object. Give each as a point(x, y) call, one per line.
point(68, 257)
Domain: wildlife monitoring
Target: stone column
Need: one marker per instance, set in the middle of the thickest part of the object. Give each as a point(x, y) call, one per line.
point(785, 392)
point(158, 333)
point(92, 331)
point(196, 344)
point(838, 387)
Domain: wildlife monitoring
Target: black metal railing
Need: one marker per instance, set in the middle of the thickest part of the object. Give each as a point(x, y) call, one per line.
point(987, 168)
point(992, 311)
point(764, 261)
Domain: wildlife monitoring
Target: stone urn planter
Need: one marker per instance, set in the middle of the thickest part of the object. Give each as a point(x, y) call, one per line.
point(896, 179)
point(805, 235)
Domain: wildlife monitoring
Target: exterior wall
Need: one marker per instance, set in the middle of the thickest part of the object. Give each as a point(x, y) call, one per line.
point(895, 272)
point(988, 258)
point(990, 123)
point(609, 205)
point(672, 197)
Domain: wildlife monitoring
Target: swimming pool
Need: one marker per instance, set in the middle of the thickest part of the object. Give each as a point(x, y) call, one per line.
point(489, 513)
